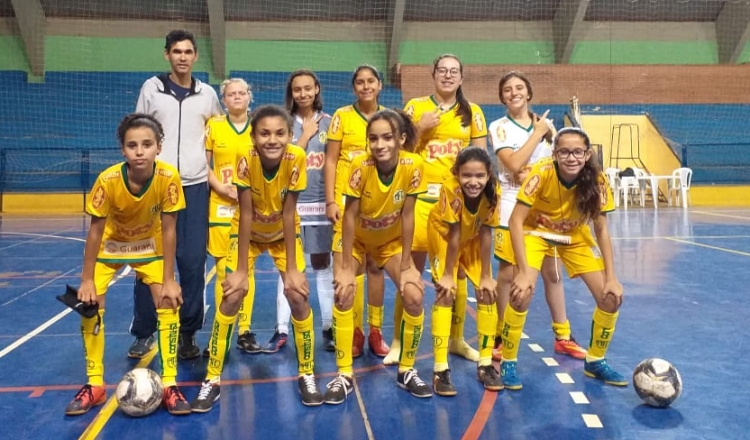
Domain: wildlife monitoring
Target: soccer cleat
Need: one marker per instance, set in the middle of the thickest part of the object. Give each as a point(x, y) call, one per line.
point(497, 349)
point(247, 343)
point(207, 396)
point(489, 378)
point(308, 389)
point(570, 347)
point(175, 402)
point(410, 381)
point(338, 389)
point(601, 370)
point(459, 347)
point(86, 398)
point(442, 385)
point(377, 346)
point(394, 355)
point(141, 347)
point(509, 376)
point(188, 349)
point(328, 343)
point(358, 343)
point(277, 341)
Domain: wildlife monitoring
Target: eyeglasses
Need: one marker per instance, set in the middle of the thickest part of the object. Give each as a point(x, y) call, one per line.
point(444, 71)
point(578, 153)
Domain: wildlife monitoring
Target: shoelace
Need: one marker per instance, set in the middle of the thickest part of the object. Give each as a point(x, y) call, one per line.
point(338, 384)
point(411, 375)
point(205, 390)
point(85, 392)
point(174, 395)
point(309, 380)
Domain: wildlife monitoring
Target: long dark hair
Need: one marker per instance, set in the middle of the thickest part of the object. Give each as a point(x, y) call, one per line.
point(400, 124)
point(464, 108)
point(481, 155)
point(588, 190)
point(516, 74)
point(291, 106)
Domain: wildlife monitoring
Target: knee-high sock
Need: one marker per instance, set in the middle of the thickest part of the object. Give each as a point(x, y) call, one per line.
point(411, 334)
point(304, 340)
point(375, 316)
point(561, 329)
point(168, 327)
point(512, 330)
point(398, 313)
point(324, 284)
point(343, 334)
point(221, 275)
point(221, 335)
point(359, 303)
point(441, 332)
point(245, 314)
point(459, 310)
point(283, 311)
point(93, 348)
point(602, 329)
point(486, 326)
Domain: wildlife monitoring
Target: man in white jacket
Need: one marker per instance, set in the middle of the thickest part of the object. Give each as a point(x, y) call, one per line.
point(182, 104)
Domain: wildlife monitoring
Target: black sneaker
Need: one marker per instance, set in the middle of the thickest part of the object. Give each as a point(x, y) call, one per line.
point(338, 389)
point(308, 389)
point(141, 347)
point(188, 349)
point(410, 381)
point(277, 341)
point(490, 378)
point(247, 343)
point(328, 344)
point(442, 384)
point(207, 396)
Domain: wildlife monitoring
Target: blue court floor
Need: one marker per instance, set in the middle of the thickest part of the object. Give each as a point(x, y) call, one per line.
point(686, 284)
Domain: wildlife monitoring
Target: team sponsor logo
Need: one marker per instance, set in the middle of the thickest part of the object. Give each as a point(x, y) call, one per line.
point(410, 111)
point(99, 196)
point(316, 160)
point(294, 176)
point(226, 174)
point(138, 247)
point(478, 122)
point(323, 137)
point(335, 124)
point(500, 134)
point(398, 197)
point(456, 206)
point(355, 179)
point(135, 231)
point(443, 202)
point(354, 153)
point(416, 179)
point(596, 252)
point(531, 185)
point(603, 193)
point(311, 209)
point(207, 132)
point(289, 156)
point(164, 173)
point(433, 189)
point(261, 217)
point(383, 222)
point(110, 176)
point(242, 168)
point(450, 148)
point(173, 193)
point(223, 211)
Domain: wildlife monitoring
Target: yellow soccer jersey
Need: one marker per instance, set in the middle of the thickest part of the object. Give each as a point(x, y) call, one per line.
point(224, 141)
point(552, 202)
point(380, 203)
point(440, 146)
point(269, 191)
point(132, 232)
point(349, 127)
point(451, 209)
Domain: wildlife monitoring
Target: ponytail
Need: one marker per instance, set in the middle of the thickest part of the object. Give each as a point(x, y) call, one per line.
point(401, 124)
point(464, 108)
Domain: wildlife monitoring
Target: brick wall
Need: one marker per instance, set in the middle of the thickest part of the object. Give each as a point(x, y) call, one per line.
point(598, 84)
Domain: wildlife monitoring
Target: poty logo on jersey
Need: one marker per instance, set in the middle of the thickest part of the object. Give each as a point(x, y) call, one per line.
point(532, 185)
point(450, 148)
point(242, 168)
point(315, 160)
point(132, 232)
point(383, 222)
point(355, 179)
point(99, 196)
point(398, 197)
point(261, 217)
point(139, 247)
point(226, 175)
point(173, 193)
point(478, 122)
point(335, 124)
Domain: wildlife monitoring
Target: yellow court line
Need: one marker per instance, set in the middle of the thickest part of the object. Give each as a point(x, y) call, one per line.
point(717, 214)
point(731, 251)
point(661, 237)
point(101, 419)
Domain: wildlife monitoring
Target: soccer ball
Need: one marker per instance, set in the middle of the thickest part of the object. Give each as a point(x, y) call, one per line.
point(657, 382)
point(139, 392)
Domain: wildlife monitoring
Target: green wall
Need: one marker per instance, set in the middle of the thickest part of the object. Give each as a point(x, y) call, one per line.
point(638, 52)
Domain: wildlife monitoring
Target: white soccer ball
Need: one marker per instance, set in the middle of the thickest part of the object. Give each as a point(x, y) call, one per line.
point(139, 393)
point(657, 382)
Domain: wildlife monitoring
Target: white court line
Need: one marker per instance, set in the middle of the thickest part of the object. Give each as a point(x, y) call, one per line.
point(717, 214)
point(37, 238)
point(592, 421)
point(579, 398)
point(550, 362)
point(39, 287)
point(564, 378)
point(536, 348)
point(22, 340)
point(361, 403)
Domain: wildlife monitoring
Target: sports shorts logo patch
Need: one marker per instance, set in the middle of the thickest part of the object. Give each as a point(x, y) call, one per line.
point(242, 168)
point(531, 185)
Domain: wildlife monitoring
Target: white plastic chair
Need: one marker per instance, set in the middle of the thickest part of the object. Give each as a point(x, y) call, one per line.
point(613, 176)
point(628, 185)
point(680, 181)
point(640, 176)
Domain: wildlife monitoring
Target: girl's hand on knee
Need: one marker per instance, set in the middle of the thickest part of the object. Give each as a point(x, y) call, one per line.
point(487, 289)
point(411, 276)
point(445, 287)
point(612, 292)
point(170, 295)
point(521, 290)
point(235, 284)
point(296, 282)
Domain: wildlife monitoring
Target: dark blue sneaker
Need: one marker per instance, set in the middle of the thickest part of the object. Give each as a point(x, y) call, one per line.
point(602, 371)
point(509, 376)
point(277, 341)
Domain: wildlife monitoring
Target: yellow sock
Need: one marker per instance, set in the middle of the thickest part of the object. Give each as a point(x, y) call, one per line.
point(343, 334)
point(168, 329)
point(375, 316)
point(441, 332)
point(245, 314)
point(359, 303)
point(304, 340)
point(398, 313)
point(459, 310)
point(486, 326)
point(411, 334)
point(221, 275)
point(93, 348)
point(602, 329)
point(221, 335)
point(511, 334)
point(561, 330)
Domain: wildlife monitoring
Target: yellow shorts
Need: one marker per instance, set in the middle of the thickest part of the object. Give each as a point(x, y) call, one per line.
point(218, 240)
point(151, 272)
point(276, 250)
point(582, 256)
point(421, 216)
point(504, 248)
point(380, 254)
point(468, 258)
